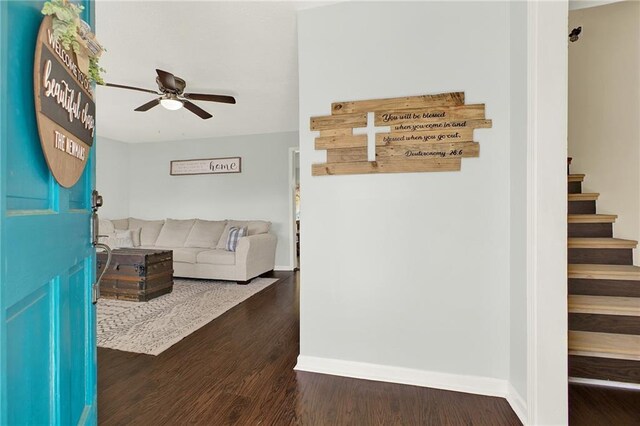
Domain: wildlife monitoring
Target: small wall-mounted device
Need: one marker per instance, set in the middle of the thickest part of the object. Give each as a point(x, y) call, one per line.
point(574, 35)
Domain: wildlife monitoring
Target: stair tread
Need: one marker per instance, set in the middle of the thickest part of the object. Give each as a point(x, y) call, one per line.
point(600, 354)
point(592, 218)
point(575, 177)
point(604, 305)
point(584, 196)
point(601, 243)
point(607, 345)
point(604, 272)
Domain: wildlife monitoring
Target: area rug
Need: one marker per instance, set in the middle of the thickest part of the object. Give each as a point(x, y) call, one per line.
point(153, 327)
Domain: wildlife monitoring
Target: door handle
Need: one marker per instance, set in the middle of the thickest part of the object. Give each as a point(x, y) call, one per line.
point(96, 203)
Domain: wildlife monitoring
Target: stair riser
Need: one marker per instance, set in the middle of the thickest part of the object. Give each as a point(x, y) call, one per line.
point(601, 256)
point(618, 370)
point(619, 324)
point(592, 230)
point(575, 187)
point(591, 287)
point(582, 207)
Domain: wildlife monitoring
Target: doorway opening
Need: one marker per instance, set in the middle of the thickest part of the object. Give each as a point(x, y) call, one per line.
point(294, 188)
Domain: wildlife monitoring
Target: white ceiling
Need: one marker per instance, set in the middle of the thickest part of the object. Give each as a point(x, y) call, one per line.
point(244, 49)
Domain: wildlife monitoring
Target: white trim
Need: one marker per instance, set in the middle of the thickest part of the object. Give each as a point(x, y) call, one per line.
point(517, 403)
point(407, 376)
point(293, 259)
point(605, 383)
point(547, 25)
point(283, 268)
point(532, 30)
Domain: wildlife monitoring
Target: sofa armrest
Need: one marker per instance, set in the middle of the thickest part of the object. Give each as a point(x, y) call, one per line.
point(257, 252)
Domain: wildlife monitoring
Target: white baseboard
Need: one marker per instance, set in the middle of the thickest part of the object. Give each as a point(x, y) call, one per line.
point(407, 376)
point(605, 383)
point(283, 268)
point(517, 403)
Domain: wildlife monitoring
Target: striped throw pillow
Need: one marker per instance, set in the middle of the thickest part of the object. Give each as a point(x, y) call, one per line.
point(235, 234)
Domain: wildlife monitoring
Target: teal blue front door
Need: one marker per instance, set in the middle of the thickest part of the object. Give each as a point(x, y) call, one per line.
point(47, 320)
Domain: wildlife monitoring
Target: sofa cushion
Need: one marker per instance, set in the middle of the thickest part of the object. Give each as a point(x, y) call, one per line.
point(205, 233)
point(121, 223)
point(174, 233)
point(254, 227)
point(217, 257)
point(186, 255)
point(105, 227)
point(150, 229)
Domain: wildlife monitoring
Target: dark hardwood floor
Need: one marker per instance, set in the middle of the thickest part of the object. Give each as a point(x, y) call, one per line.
point(597, 405)
point(238, 369)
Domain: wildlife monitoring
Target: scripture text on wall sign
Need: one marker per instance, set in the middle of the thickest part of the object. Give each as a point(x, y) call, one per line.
point(426, 133)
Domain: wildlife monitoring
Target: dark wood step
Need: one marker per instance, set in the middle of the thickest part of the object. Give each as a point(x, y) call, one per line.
point(619, 370)
point(590, 230)
point(582, 203)
point(620, 324)
point(581, 207)
point(615, 251)
point(604, 314)
point(600, 287)
point(603, 256)
point(575, 183)
point(574, 187)
point(604, 280)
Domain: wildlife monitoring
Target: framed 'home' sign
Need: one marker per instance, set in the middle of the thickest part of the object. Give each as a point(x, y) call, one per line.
point(206, 166)
point(426, 133)
point(65, 110)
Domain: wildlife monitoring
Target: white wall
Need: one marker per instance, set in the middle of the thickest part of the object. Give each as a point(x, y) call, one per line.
point(604, 110)
point(261, 191)
point(112, 177)
point(407, 271)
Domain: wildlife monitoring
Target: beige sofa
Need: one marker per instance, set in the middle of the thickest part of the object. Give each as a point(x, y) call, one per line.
point(199, 245)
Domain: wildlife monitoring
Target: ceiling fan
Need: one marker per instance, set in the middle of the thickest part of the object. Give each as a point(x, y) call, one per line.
point(172, 95)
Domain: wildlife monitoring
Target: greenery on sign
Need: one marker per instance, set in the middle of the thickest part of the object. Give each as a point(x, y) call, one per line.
point(66, 22)
point(95, 70)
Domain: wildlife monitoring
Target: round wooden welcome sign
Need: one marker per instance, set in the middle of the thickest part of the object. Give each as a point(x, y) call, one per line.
point(65, 109)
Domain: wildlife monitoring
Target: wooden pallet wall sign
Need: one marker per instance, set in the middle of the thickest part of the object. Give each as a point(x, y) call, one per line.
point(427, 133)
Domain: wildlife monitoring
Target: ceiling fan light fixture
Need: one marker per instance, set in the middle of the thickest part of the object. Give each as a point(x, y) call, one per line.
point(171, 103)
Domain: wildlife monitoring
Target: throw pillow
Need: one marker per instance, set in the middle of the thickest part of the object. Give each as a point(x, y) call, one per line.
point(135, 236)
point(234, 236)
point(222, 242)
point(123, 239)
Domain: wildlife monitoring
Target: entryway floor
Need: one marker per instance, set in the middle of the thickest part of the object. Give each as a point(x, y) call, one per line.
point(597, 405)
point(238, 369)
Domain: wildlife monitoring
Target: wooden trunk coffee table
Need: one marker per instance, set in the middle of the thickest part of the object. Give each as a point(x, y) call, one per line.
point(136, 274)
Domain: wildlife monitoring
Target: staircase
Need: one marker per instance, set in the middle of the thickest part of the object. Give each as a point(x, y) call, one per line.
point(604, 294)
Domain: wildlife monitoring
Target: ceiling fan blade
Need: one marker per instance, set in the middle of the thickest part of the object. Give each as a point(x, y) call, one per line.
point(120, 86)
point(148, 105)
point(197, 110)
point(211, 98)
point(167, 80)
